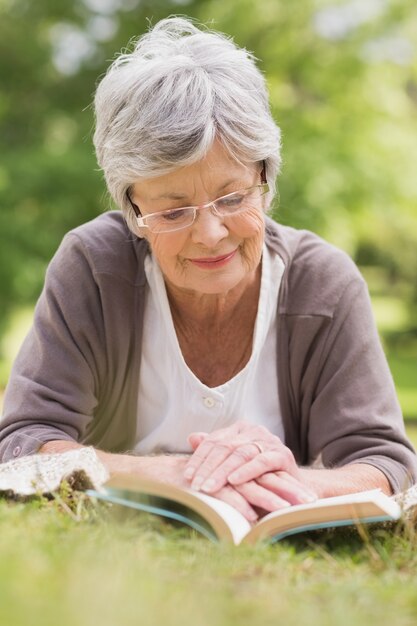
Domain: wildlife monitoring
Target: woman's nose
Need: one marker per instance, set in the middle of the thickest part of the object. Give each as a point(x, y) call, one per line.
point(208, 228)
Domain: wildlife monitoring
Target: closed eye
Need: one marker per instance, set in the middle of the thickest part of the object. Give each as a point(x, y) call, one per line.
point(175, 214)
point(232, 201)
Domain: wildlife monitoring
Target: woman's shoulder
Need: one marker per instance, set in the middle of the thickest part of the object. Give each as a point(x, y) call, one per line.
point(106, 232)
point(317, 273)
point(107, 245)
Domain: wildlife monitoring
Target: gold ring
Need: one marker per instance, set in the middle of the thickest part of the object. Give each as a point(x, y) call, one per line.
point(259, 446)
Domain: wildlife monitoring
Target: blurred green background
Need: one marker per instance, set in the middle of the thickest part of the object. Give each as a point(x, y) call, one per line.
point(343, 84)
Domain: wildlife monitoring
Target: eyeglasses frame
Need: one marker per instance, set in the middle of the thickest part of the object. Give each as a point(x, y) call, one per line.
point(264, 186)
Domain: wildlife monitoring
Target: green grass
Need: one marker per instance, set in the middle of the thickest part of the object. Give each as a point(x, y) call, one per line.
point(411, 428)
point(403, 366)
point(57, 569)
point(11, 341)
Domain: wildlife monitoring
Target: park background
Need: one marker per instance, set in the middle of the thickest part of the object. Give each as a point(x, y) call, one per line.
point(343, 83)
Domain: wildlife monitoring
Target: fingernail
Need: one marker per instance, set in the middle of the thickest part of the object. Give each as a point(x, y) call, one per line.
point(189, 473)
point(307, 498)
point(234, 477)
point(197, 482)
point(209, 485)
point(310, 498)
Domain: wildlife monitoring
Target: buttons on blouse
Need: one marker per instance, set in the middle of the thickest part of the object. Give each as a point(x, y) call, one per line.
point(209, 402)
point(17, 450)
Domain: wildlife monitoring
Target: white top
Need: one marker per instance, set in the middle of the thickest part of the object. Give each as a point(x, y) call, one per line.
point(173, 402)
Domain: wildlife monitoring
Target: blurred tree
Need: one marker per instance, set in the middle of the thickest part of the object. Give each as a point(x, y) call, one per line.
point(51, 54)
point(343, 83)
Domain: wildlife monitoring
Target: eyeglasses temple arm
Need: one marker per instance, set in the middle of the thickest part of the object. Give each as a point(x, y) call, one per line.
point(134, 207)
point(137, 212)
point(263, 173)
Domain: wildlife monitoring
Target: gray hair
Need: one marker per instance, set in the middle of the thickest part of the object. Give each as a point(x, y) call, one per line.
point(161, 106)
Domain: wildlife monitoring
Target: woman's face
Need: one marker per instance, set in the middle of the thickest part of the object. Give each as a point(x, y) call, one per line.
point(214, 254)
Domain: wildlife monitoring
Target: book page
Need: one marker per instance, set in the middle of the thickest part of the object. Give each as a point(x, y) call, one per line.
point(374, 495)
point(239, 525)
point(351, 508)
point(226, 522)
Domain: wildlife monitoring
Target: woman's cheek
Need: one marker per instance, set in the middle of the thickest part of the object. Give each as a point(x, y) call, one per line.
point(165, 246)
point(250, 227)
point(249, 224)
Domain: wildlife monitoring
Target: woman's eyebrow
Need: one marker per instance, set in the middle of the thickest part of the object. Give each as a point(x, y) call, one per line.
point(172, 195)
point(229, 182)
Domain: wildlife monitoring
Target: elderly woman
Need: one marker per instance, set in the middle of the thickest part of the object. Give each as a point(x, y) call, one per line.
point(189, 337)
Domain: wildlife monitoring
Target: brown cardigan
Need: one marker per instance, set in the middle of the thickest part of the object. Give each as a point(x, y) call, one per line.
point(76, 376)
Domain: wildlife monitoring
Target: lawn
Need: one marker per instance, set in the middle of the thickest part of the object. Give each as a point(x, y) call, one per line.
point(56, 568)
point(403, 366)
point(90, 565)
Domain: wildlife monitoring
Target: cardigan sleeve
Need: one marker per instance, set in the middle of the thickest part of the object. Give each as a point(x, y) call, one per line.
point(355, 416)
point(54, 383)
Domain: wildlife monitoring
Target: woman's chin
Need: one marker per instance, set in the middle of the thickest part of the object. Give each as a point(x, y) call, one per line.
point(215, 282)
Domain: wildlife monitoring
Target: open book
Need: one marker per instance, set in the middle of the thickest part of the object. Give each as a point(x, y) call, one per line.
point(220, 521)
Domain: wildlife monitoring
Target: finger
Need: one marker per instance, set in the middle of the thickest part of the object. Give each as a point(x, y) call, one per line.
point(237, 501)
point(198, 456)
point(268, 461)
point(195, 439)
point(241, 456)
point(260, 497)
point(287, 487)
point(205, 460)
point(222, 437)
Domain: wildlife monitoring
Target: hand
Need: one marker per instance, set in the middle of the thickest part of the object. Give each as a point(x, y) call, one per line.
point(170, 469)
point(240, 455)
point(165, 468)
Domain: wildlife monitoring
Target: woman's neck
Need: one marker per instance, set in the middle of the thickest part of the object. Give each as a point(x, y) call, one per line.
point(214, 310)
point(215, 332)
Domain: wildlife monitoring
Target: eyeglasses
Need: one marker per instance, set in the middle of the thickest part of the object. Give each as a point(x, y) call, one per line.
point(226, 206)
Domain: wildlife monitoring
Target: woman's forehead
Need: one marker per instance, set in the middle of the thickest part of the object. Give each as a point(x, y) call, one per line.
point(217, 173)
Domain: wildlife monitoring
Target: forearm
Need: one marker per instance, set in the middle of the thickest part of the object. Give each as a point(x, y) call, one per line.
point(348, 479)
point(149, 466)
point(113, 462)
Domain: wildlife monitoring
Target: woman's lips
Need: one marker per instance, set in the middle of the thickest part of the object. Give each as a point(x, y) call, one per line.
point(213, 262)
